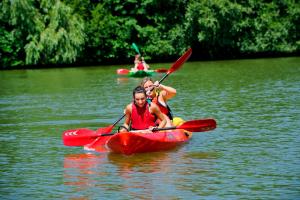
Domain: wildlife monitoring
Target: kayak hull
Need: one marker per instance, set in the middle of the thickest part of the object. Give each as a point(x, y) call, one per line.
point(141, 73)
point(137, 142)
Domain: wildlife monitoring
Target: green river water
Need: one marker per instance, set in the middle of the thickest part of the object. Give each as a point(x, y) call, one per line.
point(254, 153)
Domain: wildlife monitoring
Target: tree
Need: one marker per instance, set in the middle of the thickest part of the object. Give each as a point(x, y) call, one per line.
point(60, 37)
point(48, 32)
point(271, 27)
point(102, 31)
point(246, 27)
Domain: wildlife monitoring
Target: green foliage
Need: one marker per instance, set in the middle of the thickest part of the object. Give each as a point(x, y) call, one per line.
point(216, 25)
point(48, 33)
point(11, 42)
point(108, 35)
point(247, 27)
point(270, 28)
point(9, 48)
point(83, 31)
point(60, 40)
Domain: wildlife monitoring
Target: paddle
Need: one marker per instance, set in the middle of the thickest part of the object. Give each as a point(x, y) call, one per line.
point(85, 136)
point(178, 63)
point(134, 46)
point(123, 71)
point(197, 125)
point(80, 135)
point(161, 70)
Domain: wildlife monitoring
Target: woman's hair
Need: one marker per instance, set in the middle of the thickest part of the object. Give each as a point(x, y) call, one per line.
point(139, 89)
point(145, 80)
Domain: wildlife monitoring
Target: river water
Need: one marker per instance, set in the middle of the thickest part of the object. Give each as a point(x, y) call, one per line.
point(254, 153)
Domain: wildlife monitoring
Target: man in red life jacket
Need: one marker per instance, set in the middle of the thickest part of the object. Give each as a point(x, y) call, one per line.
point(142, 115)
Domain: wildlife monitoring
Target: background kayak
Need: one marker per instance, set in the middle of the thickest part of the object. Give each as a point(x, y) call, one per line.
point(140, 73)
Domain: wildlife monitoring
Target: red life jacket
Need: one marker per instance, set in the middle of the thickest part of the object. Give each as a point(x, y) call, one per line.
point(141, 118)
point(140, 66)
point(163, 108)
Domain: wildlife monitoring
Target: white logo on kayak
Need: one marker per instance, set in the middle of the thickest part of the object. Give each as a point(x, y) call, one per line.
point(70, 133)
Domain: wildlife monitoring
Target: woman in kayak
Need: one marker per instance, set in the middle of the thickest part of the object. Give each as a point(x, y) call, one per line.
point(142, 115)
point(140, 64)
point(146, 66)
point(159, 94)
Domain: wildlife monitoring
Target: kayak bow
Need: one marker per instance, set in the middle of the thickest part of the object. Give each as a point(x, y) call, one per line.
point(138, 142)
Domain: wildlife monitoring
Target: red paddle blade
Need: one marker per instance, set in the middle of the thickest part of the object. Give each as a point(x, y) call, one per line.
point(180, 61)
point(199, 125)
point(97, 145)
point(79, 137)
point(161, 70)
point(123, 71)
point(83, 136)
point(105, 130)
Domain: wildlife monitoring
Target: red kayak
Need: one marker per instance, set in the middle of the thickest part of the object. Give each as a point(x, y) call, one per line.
point(138, 142)
point(141, 141)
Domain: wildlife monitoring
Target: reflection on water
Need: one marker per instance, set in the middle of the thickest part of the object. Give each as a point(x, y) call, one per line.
point(143, 175)
point(146, 162)
point(79, 173)
point(78, 168)
point(122, 80)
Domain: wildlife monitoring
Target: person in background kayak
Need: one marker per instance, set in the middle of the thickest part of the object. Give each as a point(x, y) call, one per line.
point(146, 66)
point(141, 115)
point(139, 64)
point(159, 94)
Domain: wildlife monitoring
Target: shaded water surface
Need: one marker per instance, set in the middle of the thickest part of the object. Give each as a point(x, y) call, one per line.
point(253, 154)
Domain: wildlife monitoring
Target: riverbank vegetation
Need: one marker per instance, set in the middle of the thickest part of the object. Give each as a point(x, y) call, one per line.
point(83, 32)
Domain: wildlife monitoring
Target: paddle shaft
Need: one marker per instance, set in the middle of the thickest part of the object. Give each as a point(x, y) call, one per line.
point(192, 125)
point(118, 120)
point(163, 78)
point(109, 128)
point(156, 129)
